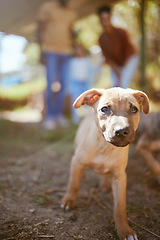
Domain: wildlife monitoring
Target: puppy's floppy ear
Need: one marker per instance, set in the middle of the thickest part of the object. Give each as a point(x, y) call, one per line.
point(142, 99)
point(89, 97)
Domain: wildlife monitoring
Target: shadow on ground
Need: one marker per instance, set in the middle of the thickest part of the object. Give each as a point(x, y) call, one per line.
point(34, 168)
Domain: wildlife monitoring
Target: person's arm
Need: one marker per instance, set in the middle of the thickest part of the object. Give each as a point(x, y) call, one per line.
point(40, 27)
point(114, 67)
point(43, 17)
point(128, 47)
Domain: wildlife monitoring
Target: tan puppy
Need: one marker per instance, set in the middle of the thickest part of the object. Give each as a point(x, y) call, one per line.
point(102, 143)
point(148, 135)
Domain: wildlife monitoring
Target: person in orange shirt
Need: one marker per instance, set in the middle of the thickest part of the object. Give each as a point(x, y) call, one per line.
point(117, 49)
point(54, 36)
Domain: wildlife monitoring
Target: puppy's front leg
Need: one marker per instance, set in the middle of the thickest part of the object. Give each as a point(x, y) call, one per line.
point(119, 182)
point(76, 171)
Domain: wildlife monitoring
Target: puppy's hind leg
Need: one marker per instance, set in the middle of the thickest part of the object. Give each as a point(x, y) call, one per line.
point(145, 149)
point(105, 184)
point(76, 173)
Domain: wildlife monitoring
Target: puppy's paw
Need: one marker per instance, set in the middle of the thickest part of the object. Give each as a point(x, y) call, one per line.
point(127, 233)
point(67, 203)
point(131, 237)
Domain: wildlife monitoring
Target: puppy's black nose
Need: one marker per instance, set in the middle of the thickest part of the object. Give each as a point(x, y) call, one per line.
point(122, 132)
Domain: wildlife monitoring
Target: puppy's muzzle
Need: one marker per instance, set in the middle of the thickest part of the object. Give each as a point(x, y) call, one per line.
point(122, 137)
point(119, 137)
point(122, 133)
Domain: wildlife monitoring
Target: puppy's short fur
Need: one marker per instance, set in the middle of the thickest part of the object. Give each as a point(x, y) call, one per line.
point(148, 141)
point(102, 143)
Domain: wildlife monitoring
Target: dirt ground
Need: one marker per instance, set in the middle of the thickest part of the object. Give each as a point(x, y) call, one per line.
point(34, 167)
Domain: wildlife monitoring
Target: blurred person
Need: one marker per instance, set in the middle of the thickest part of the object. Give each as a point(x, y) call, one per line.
point(54, 36)
point(80, 76)
point(118, 50)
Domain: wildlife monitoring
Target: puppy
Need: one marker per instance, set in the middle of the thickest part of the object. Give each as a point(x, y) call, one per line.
point(102, 144)
point(148, 135)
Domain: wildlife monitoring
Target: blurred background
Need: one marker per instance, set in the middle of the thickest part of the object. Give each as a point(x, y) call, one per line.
point(34, 162)
point(22, 76)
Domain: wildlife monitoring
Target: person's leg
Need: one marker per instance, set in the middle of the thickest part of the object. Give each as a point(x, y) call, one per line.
point(78, 88)
point(51, 67)
point(60, 95)
point(114, 79)
point(129, 70)
point(51, 72)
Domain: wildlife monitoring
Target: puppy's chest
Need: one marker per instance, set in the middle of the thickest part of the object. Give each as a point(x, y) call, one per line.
point(104, 160)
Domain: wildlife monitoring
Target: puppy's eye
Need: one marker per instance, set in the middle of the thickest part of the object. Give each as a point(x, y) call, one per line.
point(134, 109)
point(105, 109)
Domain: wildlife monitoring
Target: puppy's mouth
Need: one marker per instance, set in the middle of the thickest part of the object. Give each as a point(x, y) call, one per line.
point(119, 141)
point(119, 144)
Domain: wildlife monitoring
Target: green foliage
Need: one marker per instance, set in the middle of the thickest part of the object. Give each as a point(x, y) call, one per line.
point(153, 74)
point(32, 53)
point(88, 30)
point(125, 15)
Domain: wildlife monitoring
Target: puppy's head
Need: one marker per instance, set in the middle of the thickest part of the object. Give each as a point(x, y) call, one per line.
point(116, 112)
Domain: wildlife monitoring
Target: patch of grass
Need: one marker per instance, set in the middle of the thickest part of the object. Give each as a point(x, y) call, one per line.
point(133, 208)
point(41, 199)
point(65, 134)
point(3, 185)
point(23, 90)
